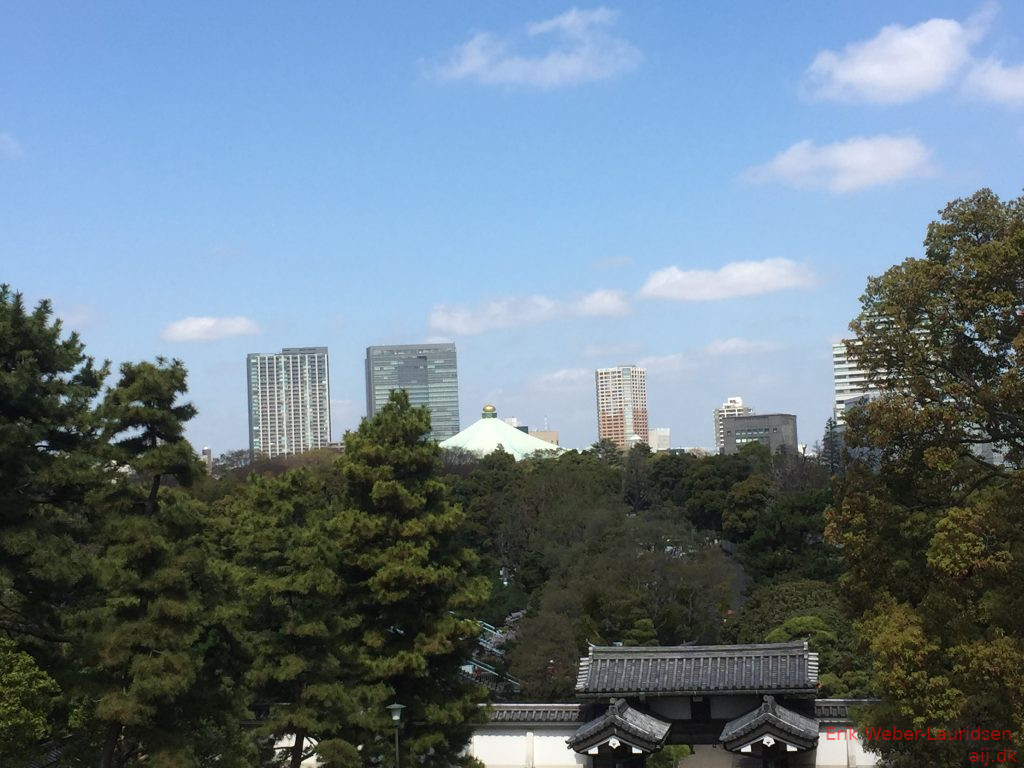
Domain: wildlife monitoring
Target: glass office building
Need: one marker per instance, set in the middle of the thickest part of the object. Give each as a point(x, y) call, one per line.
point(427, 372)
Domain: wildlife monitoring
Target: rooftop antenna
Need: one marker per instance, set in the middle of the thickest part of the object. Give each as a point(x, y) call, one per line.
point(545, 423)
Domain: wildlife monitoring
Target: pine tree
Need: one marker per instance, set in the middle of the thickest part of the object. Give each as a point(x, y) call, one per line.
point(412, 583)
point(284, 541)
point(154, 684)
point(357, 594)
point(49, 432)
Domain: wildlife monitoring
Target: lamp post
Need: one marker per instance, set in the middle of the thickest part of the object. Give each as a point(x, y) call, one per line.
point(396, 717)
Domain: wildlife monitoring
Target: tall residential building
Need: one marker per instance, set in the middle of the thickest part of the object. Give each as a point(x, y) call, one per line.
point(289, 401)
point(622, 405)
point(776, 431)
point(427, 372)
point(733, 406)
point(850, 382)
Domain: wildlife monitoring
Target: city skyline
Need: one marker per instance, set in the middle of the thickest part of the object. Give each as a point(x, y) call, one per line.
point(700, 191)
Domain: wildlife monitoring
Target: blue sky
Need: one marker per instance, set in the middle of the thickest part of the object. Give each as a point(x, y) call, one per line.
point(699, 188)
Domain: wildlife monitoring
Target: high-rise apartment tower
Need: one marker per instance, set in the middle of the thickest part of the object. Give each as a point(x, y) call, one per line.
point(733, 406)
point(289, 401)
point(851, 382)
point(427, 372)
point(622, 405)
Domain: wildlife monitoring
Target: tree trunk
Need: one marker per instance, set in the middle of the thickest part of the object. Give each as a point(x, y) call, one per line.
point(154, 490)
point(300, 740)
point(110, 745)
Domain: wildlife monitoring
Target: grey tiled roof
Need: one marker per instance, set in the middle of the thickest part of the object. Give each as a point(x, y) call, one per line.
point(535, 713)
point(770, 719)
point(623, 721)
point(837, 710)
point(761, 668)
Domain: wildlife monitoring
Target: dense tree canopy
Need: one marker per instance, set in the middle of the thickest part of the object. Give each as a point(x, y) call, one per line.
point(931, 515)
point(152, 613)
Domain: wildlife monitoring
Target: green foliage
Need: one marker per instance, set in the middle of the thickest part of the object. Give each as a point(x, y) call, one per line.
point(637, 490)
point(145, 636)
point(26, 697)
point(281, 536)
point(176, 618)
point(410, 580)
point(806, 609)
point(931, 531)
point(607, 452)
point(670, 756)
point(607, 551)
point(48, 438)
point(545, 656)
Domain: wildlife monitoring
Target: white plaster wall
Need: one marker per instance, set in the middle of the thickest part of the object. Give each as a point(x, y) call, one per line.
point(525, 747)
point(840, 751)
point(550, 749)
point(499, 748)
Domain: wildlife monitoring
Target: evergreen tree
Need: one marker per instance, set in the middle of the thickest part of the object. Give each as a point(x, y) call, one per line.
point(49, 433)
point(637, 490)
point(411, 584)
point(154, 682)
point(285, 540)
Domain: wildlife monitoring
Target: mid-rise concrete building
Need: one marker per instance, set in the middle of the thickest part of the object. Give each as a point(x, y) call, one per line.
point(776, 431)
point(658, 439)
point(427, 372)
point(547, 435)
point(733, 406)
point(622, 405)
point(289, 401)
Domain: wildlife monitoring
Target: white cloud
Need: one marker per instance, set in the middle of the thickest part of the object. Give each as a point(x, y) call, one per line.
point(602, 303)
point(673, 363)
point(209, 328)
point(567, 378)
point(499, 313)
point(993, 81)
point(10, 146)
point(738, 346)
point(844, 166)
point(900, 63)
point(517, 312)
point(576, 47)
point(739, 278)
point(607, 350)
